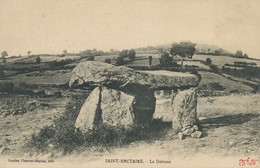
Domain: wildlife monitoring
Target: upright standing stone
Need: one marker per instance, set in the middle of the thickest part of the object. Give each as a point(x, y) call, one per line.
point(185, 109)
point(89, 114)
point(117, 107)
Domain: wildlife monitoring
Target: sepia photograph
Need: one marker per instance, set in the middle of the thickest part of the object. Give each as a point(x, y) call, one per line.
point(130, 83)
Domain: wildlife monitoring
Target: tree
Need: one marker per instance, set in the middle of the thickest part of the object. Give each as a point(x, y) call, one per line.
point(123, 53)
point(65, 52)
point(183, 49)
point(239, 53)
point(245, 55)
point(218, 51)
point(208, 61)
point(4, 54)
point(131, 54)
point(38, 59)
point(28, 52)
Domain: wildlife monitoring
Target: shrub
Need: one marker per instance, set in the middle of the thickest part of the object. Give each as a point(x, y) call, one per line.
point(120, 61)
point(108, 60)
point(166, 60)
point(208, 61)
point(38, 59)
point(91, 58)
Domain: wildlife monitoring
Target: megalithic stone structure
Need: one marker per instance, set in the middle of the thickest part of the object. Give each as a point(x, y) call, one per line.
point(125, 97)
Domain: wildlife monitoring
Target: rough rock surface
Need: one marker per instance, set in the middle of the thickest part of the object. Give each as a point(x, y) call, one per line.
point(185, 109)
point(89, 113)
point(115, 108)
point(196, 134)
point(123, 78)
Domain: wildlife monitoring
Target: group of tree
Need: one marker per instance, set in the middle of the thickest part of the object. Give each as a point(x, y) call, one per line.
point(130, 54)
point(239, 54)
point(182, 49)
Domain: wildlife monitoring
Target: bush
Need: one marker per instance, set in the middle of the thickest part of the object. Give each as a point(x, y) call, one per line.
point(108, 60)
point(208, 61)
point(166, 60)
point(38, 59)
point(120, 61)
point(91, 58)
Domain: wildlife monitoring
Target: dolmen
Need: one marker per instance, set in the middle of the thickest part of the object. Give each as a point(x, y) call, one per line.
point(124, 97)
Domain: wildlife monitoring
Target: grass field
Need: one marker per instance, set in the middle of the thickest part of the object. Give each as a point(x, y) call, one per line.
point(222, 60)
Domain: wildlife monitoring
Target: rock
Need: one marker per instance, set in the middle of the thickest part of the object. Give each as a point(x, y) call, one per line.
point(90, 112)
point(196, 128)
point(185, 127)
point(185, 109)
point(196, 134)
point(188, 131)
point(180, 136)
point(123, 78)
point(117, 107)
point(4, 150)
point(232, 143)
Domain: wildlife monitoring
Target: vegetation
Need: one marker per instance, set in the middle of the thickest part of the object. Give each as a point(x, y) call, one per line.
point(91, 58)
point(183, 49)
point(108, 60)
point(208, 61)
point(62, 135)
point(38, 59)
point(166, 60)
point(120, 61)
point(4, 54)
point(65, 52)
point(28, 52)
point(131, 54)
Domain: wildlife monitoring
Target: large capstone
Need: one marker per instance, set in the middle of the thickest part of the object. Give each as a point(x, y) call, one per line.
point(123, 78)
point(185, 109)
point(115, 108)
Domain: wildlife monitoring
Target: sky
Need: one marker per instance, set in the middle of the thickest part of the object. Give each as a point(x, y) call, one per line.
point(50, 26)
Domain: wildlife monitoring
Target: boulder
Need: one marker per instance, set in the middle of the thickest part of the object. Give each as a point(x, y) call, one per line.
point(196, 134)
point(115, 108)
point(185, 109)
point(188, 131)
point(127, 79)
point(180, 136)
point(90, 113)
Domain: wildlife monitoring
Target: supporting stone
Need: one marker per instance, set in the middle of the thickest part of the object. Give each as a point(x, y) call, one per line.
point(89, 114)
point(185, 109)
point(115, 108)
